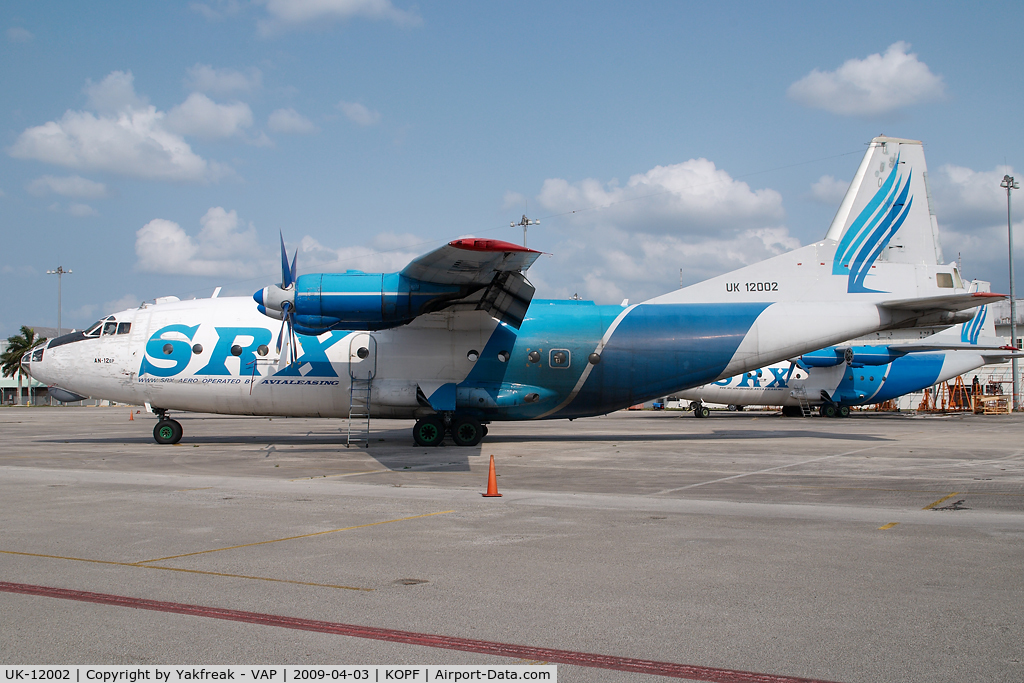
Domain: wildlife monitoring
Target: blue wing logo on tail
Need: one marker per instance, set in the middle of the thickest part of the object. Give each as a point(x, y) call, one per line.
point(871, 231)
point(971, 330)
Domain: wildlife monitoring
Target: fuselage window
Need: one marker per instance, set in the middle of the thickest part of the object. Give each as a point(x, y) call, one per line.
point(109, 328)
point(124, 328)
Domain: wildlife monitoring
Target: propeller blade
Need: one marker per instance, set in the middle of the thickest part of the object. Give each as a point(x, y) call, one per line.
point(287, 277)
point(294, 269)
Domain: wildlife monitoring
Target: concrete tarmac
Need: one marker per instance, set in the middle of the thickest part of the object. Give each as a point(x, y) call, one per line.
point(876, 548)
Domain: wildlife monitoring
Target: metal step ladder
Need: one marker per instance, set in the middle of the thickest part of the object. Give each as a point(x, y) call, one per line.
point(805, 407)
point(359, 412)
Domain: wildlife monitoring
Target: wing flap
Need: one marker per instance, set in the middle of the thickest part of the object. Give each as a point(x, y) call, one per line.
point(470, 261)
point(490, 272)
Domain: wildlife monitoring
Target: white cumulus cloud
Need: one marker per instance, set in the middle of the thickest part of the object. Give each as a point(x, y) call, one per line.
point(205, 78)
point(125, 302)
point(690, 197)
point(877, 84)
point(217, 9)
point(385, 253)
point(68, 186)
point(125, 136)
point(358, 113)
point(222, 247)
point(82, 210)
point(202, 117)
point(305, 12)
point(613, 241)
point(827, 190)
point(968, 198)
point(290, 121)
point(17, 34)
point(971, 209)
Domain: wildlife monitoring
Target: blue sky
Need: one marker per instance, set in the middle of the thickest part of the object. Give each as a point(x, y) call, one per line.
point(157, 148)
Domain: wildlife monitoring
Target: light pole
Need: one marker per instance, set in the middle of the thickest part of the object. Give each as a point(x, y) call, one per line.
point(524, 222)
point(60, 272)
point(1010, 184)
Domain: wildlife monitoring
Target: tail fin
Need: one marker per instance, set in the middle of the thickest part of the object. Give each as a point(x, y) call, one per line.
point(886, 214)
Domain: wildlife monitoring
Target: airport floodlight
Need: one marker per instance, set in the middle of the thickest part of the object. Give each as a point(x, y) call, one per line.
point(1009, 184)
point(60, 272)
point(525, 222)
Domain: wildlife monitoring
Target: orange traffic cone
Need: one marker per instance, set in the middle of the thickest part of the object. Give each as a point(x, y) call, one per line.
point(492, 483)
point(131, 416)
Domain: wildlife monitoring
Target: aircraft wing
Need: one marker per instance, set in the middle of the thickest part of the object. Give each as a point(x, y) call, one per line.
point(950, 302)
point(490, 271)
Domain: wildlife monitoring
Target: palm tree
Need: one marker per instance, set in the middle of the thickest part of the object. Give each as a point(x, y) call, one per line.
point(18, 346)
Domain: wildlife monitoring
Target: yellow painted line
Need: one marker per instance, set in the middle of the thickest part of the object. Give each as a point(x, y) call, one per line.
point(187, 571)
point(940, 500)
point(888, 526)
point(292, 538)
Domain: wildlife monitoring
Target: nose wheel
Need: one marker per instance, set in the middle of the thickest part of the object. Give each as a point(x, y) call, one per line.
point(168, 431)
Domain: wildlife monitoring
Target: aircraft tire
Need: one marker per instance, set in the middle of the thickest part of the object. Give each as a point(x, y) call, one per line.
point(703, 411)
point(168, 432)
point(792, 411)
point(467, 431)
point(844, 411)
point(827, 410)
point(428, 432)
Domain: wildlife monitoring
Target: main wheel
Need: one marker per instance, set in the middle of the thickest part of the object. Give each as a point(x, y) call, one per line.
point(428, 432)
point(827, 410)
point(703, 411)
point(844, 411)
point(168, 431)
point(467, 431)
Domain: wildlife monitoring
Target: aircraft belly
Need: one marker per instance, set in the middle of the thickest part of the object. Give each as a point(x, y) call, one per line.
point(785, 330)
point(658, 349)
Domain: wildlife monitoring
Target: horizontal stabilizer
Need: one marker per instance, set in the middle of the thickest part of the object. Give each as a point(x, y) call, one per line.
point(938, 345)
point(1000, 357)
point(950, 302)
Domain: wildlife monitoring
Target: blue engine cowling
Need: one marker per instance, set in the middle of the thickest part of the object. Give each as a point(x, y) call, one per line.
point(363, 301)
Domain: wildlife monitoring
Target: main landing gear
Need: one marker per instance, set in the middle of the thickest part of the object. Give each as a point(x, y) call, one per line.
point(167, 431)
point(834, 410)
point(700, 410)
point(464, 430)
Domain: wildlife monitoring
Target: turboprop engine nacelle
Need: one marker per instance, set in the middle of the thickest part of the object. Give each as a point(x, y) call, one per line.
point(826, 358)
point(354, 300)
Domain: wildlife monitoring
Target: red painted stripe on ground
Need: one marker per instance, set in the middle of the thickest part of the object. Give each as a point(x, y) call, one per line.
point(697, 673)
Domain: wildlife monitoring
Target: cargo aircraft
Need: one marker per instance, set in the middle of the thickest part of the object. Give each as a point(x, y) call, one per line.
point(455, 340)
point(838, 377)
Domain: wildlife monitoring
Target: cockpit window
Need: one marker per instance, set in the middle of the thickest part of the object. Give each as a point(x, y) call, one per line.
point(37, 355)
point(109, 328)
point(124, 328)
point(27, 357)
point(94, 329)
